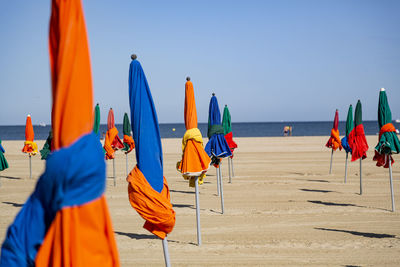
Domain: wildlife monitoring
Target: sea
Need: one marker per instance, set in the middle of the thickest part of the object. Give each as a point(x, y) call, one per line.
point(239, 129)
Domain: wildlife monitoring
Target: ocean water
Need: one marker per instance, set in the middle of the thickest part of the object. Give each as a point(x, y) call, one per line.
point(239, 129)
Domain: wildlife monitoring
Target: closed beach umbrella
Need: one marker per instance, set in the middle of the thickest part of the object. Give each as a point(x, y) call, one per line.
point(45, 151)
point(96, 122)
point(65, 222)
point(226, 124)
point(195, 161)
point(388, 142)
point(357, 141)
point(334, 141)
point(3, 161)
point(217, 147)
point(147, 187)
point(30, 147)
point(345, 143)
point(129, 144)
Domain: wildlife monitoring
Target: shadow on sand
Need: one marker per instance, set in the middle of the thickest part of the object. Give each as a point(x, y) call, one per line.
point(183, 206)
point(317, 190)
point(364, 234)
point(137, 236)
point(183, 192)
point(13, 204)
point(10, 177)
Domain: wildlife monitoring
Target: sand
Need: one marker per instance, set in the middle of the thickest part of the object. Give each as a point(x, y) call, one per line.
point(281, 209)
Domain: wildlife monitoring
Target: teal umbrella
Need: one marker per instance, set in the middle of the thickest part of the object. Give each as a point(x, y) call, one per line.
point(129, 143)
point(45, 152)
point(96, 123)
point(345, 143)
point(388, 142)
point(3, 161)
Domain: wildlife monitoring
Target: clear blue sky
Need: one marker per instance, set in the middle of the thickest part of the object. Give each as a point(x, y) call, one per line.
point(268, 60)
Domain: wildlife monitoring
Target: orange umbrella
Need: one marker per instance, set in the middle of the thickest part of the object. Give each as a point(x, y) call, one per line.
point(195, 161)
point(30, 147)
point(334, 141)
point(65, 222)
point(112, 141)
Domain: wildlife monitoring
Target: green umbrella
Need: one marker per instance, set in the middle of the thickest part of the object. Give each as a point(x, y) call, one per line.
point(388, 143)
point(345, 143)
point(349, 121)
point(226, 121)
point(129, 144)
point(226, 124)
point(96, 124)
point(47, 146)
point(3, 161)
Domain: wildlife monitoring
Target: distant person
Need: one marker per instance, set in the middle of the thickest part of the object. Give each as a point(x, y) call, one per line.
point(287, 131)
point(103, 135)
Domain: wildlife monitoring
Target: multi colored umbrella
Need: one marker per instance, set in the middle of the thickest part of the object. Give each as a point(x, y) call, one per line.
point(345, 143)
point(30, 147)
point(217, 147)
point(3, 161)
point(45, 151)
point(129, 144)
point(112, 141)
point(96, 123)
point(195, 161)
point(226, 124)
point(388, 142)
point(334, 141)
point(147, 187)
point(65, 222)
point(357, 141)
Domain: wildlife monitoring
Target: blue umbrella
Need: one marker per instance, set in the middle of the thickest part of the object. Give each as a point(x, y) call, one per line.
point(148, 190)
point(217, 147)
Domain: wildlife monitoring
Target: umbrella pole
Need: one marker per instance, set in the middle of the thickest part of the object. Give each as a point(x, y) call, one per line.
point(233, 173)
point(196, 185)
point(166, 253)
point(30, 166)
point(330, 167)
point(345, 168)
point(360, 176)
point(115, 182)
point(216, 169)
point(221, 191)
point(229, 168)
point(126, 160)
point(391, 182)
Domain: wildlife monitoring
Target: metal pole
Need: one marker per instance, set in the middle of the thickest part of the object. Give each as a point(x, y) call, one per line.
point(216, 169)
point(233, 173)
point(229, 168)
point(166, 253)
point(330, 168)
point(360, 176)
point(345, 168)
point(196, 185)
point(30, 167)
point(126, 157)
point(115, 182)
point(222, 191)
point(391, 182)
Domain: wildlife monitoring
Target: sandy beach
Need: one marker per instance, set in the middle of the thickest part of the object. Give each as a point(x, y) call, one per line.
point(281, 209)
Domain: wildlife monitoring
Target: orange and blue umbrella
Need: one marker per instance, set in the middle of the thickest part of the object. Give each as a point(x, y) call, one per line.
point(65, 221)
point(147, 187)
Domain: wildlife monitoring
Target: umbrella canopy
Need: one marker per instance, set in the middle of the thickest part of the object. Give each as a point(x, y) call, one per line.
point(357, 141)
point(388, 142)
point(30, 146)
point(147, 187)
point(3, 161)
point(112, 141)
point(96, 123)
point(195, 161)
point(226, 124)
point(334, 141)
point(217, 147)
point(45, 151)
point(65, 222)
point(129, 144)
point(349, 128)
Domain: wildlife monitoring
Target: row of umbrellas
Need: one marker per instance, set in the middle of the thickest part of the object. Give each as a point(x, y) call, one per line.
point(355, 143)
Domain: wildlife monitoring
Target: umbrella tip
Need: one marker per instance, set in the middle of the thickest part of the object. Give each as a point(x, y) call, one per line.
point(187, 78)
point(29, 115)
point(133, 56)
point(213, 94)
point(382, 89)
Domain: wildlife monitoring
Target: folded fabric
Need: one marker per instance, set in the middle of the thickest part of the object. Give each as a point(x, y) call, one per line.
point(388, 144)
point(345, 144)
point(358, 143)
point(129, 143)
point(334, 141)
point(30, 147)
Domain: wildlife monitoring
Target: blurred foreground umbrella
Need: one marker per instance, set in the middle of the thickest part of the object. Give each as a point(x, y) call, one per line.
point(226, 124)
point(3, 161)
point(129, 144)
point(334, 141)
point(388, 142)
point(195, 161)
point(147, 187)
point(30, 146)
point(357, 140)
point(112, 141)
point(45, 151)
point(345, 143)
point(65, 222)
point(217, 147)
